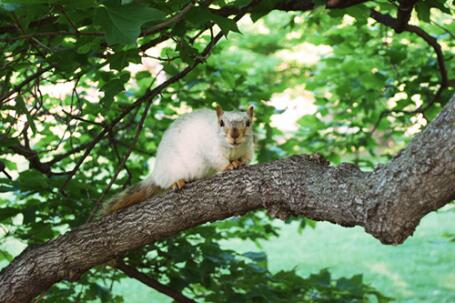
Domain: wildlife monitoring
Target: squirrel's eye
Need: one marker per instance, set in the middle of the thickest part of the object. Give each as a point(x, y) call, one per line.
point(221, 123)
point(248, 123)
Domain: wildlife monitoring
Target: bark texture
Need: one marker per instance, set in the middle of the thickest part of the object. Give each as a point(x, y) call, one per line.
point(388, 202)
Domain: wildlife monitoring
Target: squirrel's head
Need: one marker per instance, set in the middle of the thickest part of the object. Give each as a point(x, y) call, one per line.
point(236, 126)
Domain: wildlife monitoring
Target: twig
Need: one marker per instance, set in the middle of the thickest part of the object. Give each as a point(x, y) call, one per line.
point(154, 42)
point(31, 40)
point(24, 83)
point(430, 40)
point(444, 29)
point(79, 118)
point(62, 9)
point(123, 162)
point(113, 143)
point(42, 21)
point(31, 156)
point(50, 34)
point(172, 20)
point(60, 157)
point(149, 281)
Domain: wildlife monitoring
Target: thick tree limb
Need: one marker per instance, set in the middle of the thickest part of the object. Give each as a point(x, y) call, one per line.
point(388, 202)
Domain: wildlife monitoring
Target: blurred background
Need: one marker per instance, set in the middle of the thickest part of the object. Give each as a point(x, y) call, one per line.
point(334, 83)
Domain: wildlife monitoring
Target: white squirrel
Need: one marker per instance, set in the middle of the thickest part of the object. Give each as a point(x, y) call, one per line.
point(196, 145)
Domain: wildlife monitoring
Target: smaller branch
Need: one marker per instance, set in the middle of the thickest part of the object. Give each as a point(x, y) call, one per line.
point(160, 59)
point(437, 49)
point(49, 34)
point(149, 281)
point(113, 143)
point(404, 14)
point(289, 5)
point(60, 157)
point(172, 20)
point(24, 83)
point(42, 21)
point(3, 170)
point(33, 41)
point(32, 157)
point(79, 118)
point(444, 29)
point(430, 40)
point(154, 42)
point(62, 9)
point(123, 162)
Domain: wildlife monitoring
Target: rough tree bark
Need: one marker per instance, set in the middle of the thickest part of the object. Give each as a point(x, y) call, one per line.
point(388, 202)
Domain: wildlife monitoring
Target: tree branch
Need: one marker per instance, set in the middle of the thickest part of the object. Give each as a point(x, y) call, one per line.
point(289, 5)
point(388, 202)
point(169, 22)
point(31, 156)
point(404, 14)
point(29, 79)
point(149, 281)
point(394, 23)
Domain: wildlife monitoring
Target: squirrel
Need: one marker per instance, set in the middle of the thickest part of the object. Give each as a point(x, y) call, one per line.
point(195, 146)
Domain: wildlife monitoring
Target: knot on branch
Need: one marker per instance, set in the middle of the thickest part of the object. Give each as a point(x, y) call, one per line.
point(345, 167)
point(73, 275)
point(390, 231)
point(278, 209)
point(315, 158)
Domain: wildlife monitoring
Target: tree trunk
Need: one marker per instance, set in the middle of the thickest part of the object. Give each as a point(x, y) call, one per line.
point(389, 202)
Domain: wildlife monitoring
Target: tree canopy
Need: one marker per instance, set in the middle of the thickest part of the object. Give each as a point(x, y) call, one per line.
point(88, 87)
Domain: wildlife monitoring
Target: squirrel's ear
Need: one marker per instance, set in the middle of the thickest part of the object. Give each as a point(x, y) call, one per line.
point(250, 111)
point(219, 111)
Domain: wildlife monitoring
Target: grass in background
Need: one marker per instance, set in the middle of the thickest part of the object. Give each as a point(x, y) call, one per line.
point(420, 270)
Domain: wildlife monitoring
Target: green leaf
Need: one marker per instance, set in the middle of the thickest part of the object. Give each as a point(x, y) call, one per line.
point(199, 16)
point(5, 189)
point(359, 12)
point(8, 212)
point(121, 59)
point(440, 5)
point(258, 257)
point(32, 180)
point(432, 112)
point(187, 52)
point(262, 9)
point(122, 23)
point(423, 11)
point(4, 255)
point(22, 109)
point(241, 3)
point(226, 25)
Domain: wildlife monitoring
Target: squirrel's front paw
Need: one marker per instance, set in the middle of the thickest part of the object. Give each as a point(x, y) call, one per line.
point(233, 165)
point(179, 184)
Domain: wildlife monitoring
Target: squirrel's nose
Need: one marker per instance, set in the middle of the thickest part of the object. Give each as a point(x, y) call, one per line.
point(235, 133)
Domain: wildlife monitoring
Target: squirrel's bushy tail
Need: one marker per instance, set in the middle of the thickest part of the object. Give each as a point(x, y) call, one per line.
point(132, 195)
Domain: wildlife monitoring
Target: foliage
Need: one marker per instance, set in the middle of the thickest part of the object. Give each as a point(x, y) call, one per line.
point(370, 88)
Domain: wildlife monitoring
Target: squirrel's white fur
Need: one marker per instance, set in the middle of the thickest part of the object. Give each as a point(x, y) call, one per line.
point(195, 146)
